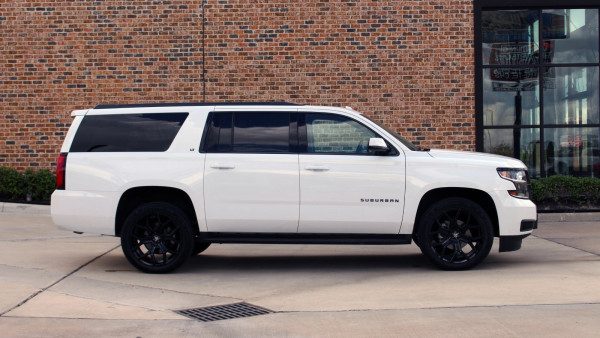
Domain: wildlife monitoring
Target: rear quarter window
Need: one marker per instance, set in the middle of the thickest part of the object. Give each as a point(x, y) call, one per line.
point(127, 132)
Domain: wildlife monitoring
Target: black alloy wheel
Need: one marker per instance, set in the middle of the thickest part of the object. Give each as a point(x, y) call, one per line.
point(157, 237)
point(455, 234)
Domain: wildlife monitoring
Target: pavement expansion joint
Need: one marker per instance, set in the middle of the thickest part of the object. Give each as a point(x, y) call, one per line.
point(105, 301)
point(56, 282)
point(568, 246)
point(441, 307)
point(163, 289)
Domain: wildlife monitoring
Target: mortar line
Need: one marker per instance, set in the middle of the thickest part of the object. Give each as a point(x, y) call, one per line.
point(56, 282)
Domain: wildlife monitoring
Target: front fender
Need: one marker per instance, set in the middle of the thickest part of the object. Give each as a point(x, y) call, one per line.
point(424, 177)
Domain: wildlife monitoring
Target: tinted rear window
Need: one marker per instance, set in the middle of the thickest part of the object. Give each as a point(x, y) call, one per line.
point(127, 132)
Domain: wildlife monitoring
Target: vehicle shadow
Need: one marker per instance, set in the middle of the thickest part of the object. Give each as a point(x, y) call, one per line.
point(208, 262)
point(214, 262)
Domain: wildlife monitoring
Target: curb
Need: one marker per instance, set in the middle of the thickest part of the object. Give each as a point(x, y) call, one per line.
point(18, 208)
point(570, 217)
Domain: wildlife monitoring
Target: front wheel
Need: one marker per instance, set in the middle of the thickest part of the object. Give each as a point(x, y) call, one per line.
point(455, 234)
point(157, 237)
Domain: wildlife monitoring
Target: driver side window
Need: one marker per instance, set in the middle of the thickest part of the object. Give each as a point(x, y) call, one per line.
point(337, 134)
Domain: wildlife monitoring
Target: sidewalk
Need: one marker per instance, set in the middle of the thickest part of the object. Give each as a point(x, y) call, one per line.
point(21, 208)
point(56, 283)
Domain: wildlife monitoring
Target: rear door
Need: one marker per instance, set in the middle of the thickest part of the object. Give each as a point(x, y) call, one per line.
point(251, 177)
point(344, 188)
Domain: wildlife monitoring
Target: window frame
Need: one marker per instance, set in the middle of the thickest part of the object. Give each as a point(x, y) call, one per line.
point(539, 5)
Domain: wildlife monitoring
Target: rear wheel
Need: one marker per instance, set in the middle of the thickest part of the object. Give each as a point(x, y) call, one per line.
point(157, 237)
point(455, 234)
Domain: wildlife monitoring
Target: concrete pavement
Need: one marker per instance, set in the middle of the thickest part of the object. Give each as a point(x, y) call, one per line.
point(55, 283)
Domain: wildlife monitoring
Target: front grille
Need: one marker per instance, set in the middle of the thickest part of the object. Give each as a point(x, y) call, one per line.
point(221, 312)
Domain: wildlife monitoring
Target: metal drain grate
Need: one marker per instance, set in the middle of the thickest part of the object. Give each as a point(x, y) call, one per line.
point(220, 312)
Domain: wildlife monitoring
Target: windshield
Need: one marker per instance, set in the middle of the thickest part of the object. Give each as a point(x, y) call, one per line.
point(397, 136)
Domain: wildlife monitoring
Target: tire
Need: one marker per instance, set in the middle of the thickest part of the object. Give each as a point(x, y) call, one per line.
point(157, 237)
point(199, 247)
point(455, 234)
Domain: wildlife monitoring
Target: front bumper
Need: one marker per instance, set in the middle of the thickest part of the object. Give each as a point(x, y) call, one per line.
point(516, 217)
point(513, 243)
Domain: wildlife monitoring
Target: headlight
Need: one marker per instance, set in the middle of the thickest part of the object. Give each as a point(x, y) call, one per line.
point(519, 178)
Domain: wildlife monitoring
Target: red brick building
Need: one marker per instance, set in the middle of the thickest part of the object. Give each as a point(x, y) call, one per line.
point(417, 66)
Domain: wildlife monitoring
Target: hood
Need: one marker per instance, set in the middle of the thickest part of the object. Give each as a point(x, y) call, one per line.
point(465, 157)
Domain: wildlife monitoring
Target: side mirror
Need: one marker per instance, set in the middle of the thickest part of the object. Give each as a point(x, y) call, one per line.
point(378, 145)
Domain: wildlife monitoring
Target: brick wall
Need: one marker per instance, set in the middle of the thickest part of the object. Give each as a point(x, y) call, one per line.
point(408, 64)
point(56, 56)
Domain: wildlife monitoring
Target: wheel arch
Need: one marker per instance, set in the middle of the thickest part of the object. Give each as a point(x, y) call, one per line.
point(478, 196)
point(133, 197)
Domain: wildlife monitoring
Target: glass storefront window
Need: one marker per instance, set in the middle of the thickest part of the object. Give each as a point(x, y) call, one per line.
point(526, 141)
point(570, 35)
point(572, 151)
point(510, 37)
point(571, 95)
point(510, 96)
point(539, 96)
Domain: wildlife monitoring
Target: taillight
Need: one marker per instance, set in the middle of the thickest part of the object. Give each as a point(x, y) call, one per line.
point(61, 171)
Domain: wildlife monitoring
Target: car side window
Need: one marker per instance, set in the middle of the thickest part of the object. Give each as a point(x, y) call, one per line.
point(336, 134)
point(248, 132)
point(261, 132)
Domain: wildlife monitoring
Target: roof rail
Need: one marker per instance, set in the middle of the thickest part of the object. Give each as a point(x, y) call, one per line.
point(185, 104)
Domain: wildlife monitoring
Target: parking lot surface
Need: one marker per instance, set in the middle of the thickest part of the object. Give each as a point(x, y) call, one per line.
point(56, 283)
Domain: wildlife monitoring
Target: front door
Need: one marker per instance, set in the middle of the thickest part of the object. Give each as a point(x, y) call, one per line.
point(251, 173)
point(344, 188)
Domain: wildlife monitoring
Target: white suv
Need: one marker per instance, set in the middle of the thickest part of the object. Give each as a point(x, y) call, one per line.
point(170, 179)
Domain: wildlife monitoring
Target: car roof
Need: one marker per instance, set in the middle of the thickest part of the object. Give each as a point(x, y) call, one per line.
point(218, 106)
point(188, 104)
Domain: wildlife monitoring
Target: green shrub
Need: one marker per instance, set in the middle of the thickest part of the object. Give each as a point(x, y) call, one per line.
point(567, 192)
point(37, 184)
point(11, 183)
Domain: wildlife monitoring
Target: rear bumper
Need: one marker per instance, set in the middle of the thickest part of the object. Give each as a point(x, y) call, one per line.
point(84, 211)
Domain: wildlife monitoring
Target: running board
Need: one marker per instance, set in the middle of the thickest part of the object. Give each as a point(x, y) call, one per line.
point(295, 238)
